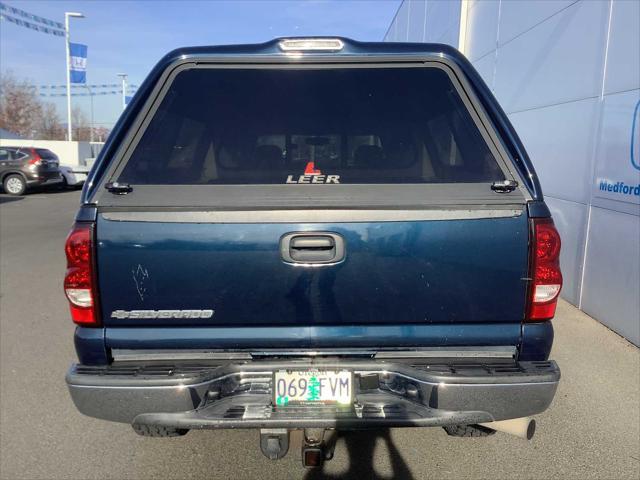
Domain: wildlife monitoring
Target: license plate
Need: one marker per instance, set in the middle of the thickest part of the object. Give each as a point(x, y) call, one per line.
point(312, 386)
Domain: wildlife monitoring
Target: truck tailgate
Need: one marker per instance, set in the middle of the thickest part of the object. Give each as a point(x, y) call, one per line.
point(464, 270)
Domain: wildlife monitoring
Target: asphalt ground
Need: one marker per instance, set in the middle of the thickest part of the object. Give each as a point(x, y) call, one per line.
point(592, 429)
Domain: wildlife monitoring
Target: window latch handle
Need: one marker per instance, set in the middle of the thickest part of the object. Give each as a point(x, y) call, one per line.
point(118, 188)
point(504, 186)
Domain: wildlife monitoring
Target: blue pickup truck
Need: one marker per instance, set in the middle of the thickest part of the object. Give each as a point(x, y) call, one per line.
point(313, 234)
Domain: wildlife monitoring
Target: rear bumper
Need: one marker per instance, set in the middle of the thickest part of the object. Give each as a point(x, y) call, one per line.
point(44, 178)
point(74, 178)
point(387, 394)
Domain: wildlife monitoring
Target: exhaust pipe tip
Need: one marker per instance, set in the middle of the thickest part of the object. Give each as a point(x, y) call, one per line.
point(524, 427)
point(531, 430)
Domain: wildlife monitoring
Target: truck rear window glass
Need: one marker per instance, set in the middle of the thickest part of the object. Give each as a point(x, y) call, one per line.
point(277, 126)
point(46, 154)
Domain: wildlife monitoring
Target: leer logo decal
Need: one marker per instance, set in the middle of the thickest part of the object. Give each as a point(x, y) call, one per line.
point(313, 175)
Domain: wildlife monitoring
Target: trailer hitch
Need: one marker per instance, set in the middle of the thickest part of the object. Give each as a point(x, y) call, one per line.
point(315, 449)
point(274, 443)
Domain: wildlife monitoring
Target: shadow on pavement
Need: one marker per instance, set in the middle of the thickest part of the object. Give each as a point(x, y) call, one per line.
point(4, 198)
point(361, 447)
point(8, 199)
point(54, 189)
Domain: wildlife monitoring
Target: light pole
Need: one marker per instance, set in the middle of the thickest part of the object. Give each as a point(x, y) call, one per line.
point(67, 15)
point(123, 76)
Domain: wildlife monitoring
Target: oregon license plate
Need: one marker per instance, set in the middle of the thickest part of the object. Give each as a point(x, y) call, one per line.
point(312, 386)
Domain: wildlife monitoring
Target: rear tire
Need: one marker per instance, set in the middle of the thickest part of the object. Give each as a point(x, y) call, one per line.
point(155, 431)
point(64, 185)
point(468, 431)
point(14, 185)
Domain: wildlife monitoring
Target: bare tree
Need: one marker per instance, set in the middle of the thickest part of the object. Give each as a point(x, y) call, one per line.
point(49, 125)
point(20, 107)
point(22, 112)
point(81, 127)
point(100, 134)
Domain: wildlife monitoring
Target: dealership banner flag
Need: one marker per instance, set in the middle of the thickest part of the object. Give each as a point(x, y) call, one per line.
point(94, 86)
point(29, 16)
point(78, 63)
point(30, 21)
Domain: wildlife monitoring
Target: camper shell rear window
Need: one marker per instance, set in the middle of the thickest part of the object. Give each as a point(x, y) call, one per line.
point(260, 126)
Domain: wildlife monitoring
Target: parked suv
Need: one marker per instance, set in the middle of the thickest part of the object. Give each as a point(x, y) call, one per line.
point(313, 234)
point(24, 167)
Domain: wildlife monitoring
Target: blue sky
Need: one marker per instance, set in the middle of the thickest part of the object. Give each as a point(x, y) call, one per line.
point(130, 36)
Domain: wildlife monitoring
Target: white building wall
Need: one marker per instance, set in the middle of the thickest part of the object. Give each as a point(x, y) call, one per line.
point(433, 21)
point(568, 75)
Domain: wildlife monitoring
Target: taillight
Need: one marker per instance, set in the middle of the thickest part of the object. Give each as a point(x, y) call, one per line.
point(79, 281)
point(546, 278)
point(36, 159)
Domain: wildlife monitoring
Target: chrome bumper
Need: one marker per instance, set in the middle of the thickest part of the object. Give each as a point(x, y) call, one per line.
point(239, 395)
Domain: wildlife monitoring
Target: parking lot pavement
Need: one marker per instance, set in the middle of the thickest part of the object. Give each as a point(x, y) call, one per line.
point(591, 430)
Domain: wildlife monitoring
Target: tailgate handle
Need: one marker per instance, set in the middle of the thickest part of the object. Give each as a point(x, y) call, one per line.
point(312, 243)
point(312, 247)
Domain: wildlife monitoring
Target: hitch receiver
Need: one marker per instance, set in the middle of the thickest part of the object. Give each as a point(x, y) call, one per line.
point(315, 450)
point(274, 443)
